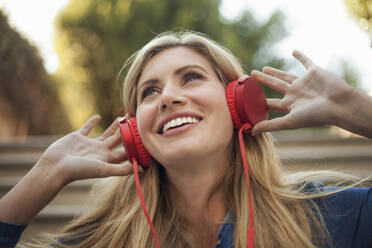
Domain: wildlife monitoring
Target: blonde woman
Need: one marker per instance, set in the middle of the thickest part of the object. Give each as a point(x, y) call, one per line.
point(195, 191)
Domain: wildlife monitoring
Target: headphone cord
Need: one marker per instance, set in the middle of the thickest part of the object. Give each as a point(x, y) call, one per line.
point(246, 128)
point(139, 191)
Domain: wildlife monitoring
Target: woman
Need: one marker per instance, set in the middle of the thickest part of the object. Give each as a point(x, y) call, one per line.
point(195, 190)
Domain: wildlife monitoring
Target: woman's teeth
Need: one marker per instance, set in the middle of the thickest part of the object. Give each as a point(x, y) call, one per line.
point(178, 122)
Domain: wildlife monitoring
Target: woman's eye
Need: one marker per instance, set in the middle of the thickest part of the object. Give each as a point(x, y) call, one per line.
point(148, 92)
point(192, 76)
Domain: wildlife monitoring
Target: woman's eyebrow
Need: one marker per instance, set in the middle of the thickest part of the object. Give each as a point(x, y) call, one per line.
point(177, 72)
point(183, 68)
point(149, 81)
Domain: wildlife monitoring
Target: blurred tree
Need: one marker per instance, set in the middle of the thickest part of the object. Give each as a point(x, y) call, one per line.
point(95, 37)
point(362, 11)
point(28, 100)
point(350, 74)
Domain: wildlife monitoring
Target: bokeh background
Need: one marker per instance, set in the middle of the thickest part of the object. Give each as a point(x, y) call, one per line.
point(60, 62)
point(53, 93)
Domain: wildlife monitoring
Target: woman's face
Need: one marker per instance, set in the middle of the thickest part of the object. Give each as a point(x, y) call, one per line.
point(182, 113)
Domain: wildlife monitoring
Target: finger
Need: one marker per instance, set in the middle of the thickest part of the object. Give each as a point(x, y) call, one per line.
point(110, 130)
point(114, 139)
point(279, 74)
point(117, 156)
point(280, 123)
point(109, 169)
point(87, 127)
point(277, 105)
point(270, 81)
point(305, 61)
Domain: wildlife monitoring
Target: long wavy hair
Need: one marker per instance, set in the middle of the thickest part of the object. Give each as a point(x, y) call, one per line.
point(284, 211)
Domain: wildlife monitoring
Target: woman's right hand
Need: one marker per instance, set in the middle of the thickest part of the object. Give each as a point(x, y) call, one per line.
point(73, 157)
point(77, 156)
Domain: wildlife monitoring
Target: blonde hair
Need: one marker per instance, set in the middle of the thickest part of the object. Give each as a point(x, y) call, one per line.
point(285, 215)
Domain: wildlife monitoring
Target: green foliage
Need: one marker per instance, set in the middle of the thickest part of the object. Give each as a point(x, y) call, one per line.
point(28, 99)
point(95, 37)
point(361, 10)
point(349, 73)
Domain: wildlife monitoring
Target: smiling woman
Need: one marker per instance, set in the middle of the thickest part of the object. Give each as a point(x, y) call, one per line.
point(195, 189)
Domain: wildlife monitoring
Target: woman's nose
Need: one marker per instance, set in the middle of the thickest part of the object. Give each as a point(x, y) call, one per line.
point(171, 97)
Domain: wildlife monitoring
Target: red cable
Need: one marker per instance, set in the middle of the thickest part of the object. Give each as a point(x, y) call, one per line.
point(139, 191)
point(250, 231)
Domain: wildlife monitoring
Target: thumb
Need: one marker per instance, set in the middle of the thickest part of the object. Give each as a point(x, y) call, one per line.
point(279, 123)
point(109, 169)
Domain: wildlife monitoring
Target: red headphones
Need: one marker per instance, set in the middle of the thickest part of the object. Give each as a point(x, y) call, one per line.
point(247, 104)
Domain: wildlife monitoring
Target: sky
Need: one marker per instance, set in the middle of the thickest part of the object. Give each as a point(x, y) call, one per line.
point(323, 30)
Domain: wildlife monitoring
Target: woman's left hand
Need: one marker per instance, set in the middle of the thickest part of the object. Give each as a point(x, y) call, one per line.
point(317, 98)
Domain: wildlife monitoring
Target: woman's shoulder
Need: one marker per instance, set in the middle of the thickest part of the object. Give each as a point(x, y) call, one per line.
point(352, 195)
point(347, 212)
point(338, 198)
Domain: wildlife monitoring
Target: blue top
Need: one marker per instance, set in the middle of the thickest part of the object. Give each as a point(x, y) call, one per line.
point(10, 234)
point(348, 216)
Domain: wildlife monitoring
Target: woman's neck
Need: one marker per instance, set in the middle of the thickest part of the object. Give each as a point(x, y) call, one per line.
point(197, 190)
point(204, 206)
point(200, 197)
point(201, 202)
point(197, 186)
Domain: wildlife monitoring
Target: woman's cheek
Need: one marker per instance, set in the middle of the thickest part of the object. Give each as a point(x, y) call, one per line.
point(145, 116)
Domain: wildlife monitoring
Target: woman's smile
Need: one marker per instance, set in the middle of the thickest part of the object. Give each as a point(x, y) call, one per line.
point(178, 130)
point(177, 120)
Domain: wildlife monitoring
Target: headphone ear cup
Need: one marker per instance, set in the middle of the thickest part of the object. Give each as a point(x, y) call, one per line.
point(144, 156)
point(133, 143)
point(247, 102)
point(230, 98)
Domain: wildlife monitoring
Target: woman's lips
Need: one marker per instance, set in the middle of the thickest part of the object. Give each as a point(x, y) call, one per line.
point(175, 116)
point(179, 130)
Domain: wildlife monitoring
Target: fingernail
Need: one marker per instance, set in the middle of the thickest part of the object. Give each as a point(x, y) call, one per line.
point(242, 79)
point(121, 119)
point(258, 73)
